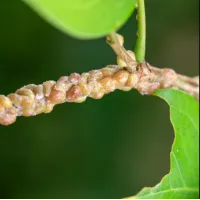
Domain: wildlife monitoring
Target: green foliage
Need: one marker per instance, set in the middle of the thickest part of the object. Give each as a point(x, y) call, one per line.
point(84, 18)
point(183, 178)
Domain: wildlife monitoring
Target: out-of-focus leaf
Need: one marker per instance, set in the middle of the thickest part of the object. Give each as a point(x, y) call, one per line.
point(182, 182)
point(84, 18)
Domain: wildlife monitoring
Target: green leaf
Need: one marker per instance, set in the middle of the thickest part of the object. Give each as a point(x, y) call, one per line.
point(182, 182)
point(84, 18)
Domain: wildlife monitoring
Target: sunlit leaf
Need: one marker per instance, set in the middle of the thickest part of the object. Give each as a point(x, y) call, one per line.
point(182, 182)
point(84, 18)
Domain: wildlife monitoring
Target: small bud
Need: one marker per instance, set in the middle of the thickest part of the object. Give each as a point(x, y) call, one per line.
point(15, 99)
point(56, 96)
point(26, 102)
point(121, 77)
point(95, 75)
point(74, 78)
point(7, 119)
point(39, 92)
point(63, 79)
point(85, 89)
point(73, 93)
point(97, 95)
point(108, 84)
point(80, 99)
point(63, 84)
point(40, 106)
point(132, 80)
point(47, 86)
point(124, 88)
point(48, 108)
point(13, 111)
point(26, 92)
point(107, 72)
point(94, 86)
point(28, 111)
point(5, 102)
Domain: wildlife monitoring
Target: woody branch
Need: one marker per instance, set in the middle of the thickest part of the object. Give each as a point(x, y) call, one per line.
point(33, 99)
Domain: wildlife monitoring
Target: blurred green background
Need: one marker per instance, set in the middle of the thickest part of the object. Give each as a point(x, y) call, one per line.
point(108, 148)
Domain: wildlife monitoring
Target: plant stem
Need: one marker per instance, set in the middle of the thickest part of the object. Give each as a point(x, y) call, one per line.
point(141, 40)
point(116, 42)
point(33, 99)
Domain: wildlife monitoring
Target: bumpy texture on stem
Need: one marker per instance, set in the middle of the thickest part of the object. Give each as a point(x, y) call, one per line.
point(33, 99)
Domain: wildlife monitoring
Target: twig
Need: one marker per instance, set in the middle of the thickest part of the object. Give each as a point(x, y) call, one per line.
point(33, 99)
point(125, 58)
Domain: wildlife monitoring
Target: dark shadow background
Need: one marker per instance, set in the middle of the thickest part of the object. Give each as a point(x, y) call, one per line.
point(108, 148)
